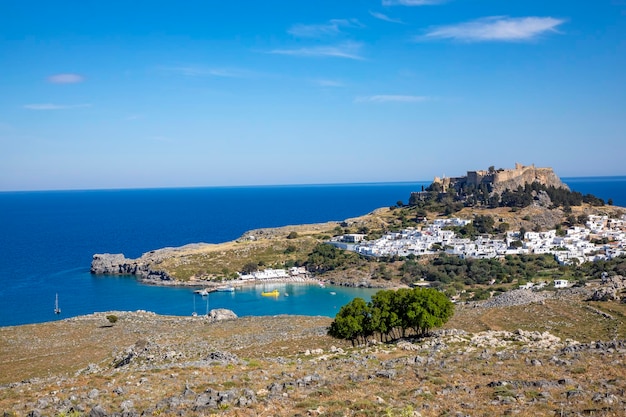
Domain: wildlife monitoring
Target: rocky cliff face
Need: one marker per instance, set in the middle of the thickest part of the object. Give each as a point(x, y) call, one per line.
point(118, 264)
point(527, 175)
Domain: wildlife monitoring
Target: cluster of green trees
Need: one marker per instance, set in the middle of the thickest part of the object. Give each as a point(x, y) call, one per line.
point(482, 224)
point(454, 199)
point(449, 269)
point(326, 257)
point(615, 266)
point(560, 197)
point(392, 314)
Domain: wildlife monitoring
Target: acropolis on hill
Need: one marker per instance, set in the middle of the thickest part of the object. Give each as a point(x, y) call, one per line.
point(501, 179)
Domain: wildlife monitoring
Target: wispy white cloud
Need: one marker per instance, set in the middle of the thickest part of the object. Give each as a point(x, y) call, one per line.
point(328, 83)
point(332, 28)
point(66, 78)
point(200, 71)
point(51, 106)
point(384, 17)
point(391, 98)
point(495, 28)
point(412, 2)
point(348, 50)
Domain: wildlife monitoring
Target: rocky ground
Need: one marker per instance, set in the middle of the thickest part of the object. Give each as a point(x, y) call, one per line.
point(521, 353)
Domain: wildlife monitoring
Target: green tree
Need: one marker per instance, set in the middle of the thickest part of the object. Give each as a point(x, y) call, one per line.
point(421, 309)
point(249, 268)
point(383, 317)
point(503, 227)
point(352, 321)
point(392, 313)
point(483, 224)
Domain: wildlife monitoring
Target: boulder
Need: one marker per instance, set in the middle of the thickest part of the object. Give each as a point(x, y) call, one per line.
point(98, 411)
point(220, 314)
point(612, 288)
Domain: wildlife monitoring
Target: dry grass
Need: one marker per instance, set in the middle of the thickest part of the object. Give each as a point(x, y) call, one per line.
point(452, 379)
point(565, 318)
point(66, 346)
point(269, 247)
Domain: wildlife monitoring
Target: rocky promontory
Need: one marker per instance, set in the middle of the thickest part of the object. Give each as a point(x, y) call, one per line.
point(118, 264)
point(146, 268)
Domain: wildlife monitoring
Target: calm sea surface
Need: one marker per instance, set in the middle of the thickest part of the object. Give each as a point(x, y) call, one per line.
point(47, 240)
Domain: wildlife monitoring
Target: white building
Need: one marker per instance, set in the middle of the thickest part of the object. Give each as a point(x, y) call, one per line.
point(561, 283)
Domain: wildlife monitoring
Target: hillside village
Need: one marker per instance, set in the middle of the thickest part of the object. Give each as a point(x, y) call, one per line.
point(602, 238)
point(427, 225)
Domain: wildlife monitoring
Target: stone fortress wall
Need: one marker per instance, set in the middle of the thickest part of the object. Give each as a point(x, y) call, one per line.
point(502, 179)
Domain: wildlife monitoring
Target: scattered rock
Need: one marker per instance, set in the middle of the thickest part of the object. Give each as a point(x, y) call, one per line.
point(516, 297)
point(222, 358)
point(386, 373)
point(97, 411)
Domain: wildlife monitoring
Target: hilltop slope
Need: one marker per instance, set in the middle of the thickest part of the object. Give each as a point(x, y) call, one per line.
point(530, 354)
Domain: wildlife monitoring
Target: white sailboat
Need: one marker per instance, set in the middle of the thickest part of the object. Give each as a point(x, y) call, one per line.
point(194, 314)
point(57, 310)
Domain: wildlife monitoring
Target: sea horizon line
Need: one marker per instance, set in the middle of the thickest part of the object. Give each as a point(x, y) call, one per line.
point(287, 185)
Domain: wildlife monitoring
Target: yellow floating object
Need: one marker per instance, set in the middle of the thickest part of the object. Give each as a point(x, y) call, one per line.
point(274, 293)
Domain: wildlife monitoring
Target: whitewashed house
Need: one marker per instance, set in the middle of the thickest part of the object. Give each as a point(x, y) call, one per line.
point(561, 283)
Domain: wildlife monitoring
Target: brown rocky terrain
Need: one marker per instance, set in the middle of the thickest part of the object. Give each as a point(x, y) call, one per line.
point(521, 353)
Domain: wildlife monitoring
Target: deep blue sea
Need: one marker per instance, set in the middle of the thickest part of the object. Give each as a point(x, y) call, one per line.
point(47, 240)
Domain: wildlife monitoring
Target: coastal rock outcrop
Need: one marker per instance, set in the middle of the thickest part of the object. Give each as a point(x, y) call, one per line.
point(112, 264)
point(118, 264)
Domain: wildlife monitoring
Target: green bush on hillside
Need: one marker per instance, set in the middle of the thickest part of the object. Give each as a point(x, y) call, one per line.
point(391, 314)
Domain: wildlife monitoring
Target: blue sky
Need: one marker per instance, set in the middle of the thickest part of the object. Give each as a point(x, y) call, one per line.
point(122, 94)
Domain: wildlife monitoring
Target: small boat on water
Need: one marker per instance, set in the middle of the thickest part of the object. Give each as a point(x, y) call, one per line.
point(274, 293)
point(57, 310)
point(333, 293)
point(203, 292)
point(225, 289)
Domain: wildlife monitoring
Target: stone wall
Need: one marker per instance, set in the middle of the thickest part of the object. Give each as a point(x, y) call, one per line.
point(504, 179)
point(522, 175)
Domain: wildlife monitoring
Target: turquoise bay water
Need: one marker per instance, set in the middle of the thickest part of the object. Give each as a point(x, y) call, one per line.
point(126, 293)
point(47, 240)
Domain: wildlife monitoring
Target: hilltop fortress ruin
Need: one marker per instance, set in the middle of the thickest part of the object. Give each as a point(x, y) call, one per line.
point(498, 180)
